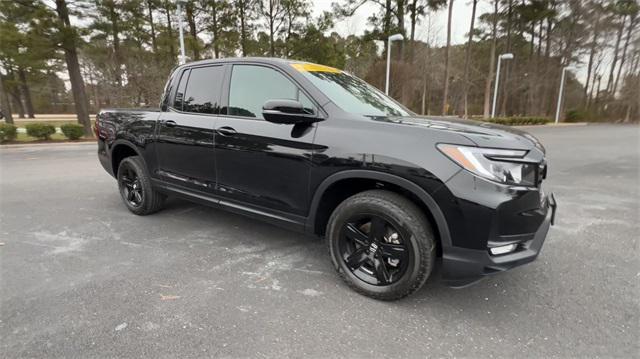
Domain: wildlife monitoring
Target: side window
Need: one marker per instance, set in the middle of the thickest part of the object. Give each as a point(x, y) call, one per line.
point(203, 90)
point(252, 86)
point(177, 102)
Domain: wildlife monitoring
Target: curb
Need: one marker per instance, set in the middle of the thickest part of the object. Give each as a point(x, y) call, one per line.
point(55, 144)
point(561, 124)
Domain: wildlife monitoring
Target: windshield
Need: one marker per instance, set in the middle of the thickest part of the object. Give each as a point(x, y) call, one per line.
point(350, 93)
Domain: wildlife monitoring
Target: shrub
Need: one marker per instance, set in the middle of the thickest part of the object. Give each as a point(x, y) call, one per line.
point(518, 121)
point(40, 130)
point(72, 131)
point(8, 132)
point(576, 116)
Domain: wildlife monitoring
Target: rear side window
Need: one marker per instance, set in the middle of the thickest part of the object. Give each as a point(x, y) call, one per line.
point(202, 92)
point(252, 86)
point(177, 102)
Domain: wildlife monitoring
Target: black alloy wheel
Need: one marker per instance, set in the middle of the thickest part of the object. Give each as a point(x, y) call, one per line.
point(131, 186)
point(373, 249)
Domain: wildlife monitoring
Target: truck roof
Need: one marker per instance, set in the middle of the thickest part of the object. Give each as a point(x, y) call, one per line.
point(266, 60)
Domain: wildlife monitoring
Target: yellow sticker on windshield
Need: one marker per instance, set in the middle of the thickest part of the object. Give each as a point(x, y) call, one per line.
point(307, 67)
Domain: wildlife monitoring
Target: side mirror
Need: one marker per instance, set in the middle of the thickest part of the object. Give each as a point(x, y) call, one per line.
point(288, 112)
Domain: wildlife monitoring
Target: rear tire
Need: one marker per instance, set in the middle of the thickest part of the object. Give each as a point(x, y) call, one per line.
point(381, 244)
point(135, 187)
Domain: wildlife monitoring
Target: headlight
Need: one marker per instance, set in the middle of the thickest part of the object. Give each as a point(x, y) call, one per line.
point(504, 166)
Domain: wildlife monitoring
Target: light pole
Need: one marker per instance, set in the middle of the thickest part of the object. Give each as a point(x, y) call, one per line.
point(182, 58)
point(389, 40)
point(507, 56)
point(564, 69)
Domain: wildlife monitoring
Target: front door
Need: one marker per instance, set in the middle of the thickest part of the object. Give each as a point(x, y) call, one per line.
point(185, 148)
point(258, 162)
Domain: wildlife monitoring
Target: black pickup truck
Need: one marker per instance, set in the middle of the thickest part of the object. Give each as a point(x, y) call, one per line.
point(318, 150)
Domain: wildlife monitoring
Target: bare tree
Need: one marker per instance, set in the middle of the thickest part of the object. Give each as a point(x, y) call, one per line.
point(593, 47)
point(73, 66)
point(492, 59)
point(447, 63)
point(467, 59)
point(614, 62)
point(272, 11)
point(632, 24)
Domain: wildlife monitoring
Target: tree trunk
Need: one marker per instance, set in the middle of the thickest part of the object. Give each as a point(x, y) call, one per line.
point(540, 27)
point(445, 95)
point(615, 56)
point(414, 18)
point(26, 93)
point(426, 90)
point(598, 89)
point(289, 33)
point(71, 58)
point(386, 25)
point(96, 96)
point(5, 104)
point(243, 30)
point(544, 81)
point(193, 31)
point(400, 8)
point(492, 60)
point(547, 47)
point(17, 101)
point(592, 53)
point(272, 20)
point(624, 54)
point(153, 27)
point(468, 59)
point(172, 49)
point(115, 33)
point(214, 29)
point(507, 68)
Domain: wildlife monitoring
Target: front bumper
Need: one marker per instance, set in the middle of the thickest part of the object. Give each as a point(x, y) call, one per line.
point(464, 266)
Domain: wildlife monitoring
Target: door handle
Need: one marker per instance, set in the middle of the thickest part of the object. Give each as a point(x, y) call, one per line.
point(226, 131)
point(170, 123)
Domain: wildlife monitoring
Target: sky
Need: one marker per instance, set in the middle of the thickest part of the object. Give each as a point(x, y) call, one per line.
point(460, 21)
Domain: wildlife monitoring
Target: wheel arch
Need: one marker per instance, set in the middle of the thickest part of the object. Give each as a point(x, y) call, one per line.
point(322, 206)
point(120, 150)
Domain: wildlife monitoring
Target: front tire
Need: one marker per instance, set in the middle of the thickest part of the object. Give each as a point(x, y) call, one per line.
point(381, 244)
point(135, 187)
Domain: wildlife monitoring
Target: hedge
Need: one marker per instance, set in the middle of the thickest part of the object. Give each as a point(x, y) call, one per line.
point(72, 131)
point(40, 130)
point(8, 132)
point(518, 121)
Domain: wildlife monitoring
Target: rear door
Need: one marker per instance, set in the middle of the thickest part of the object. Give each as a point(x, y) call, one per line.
point(258, 162)
point(185, 148)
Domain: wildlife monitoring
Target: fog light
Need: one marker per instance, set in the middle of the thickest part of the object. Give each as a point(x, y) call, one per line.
point(503, 249)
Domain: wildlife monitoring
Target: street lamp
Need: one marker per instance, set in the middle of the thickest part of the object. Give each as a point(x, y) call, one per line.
point(182, 58)
point(507, 56)
point(391, 38)
point(564, 69)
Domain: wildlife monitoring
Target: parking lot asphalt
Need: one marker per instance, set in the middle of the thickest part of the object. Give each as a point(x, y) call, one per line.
point(80, 276)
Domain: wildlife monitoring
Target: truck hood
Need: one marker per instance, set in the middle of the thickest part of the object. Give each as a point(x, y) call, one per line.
point(483, 134)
